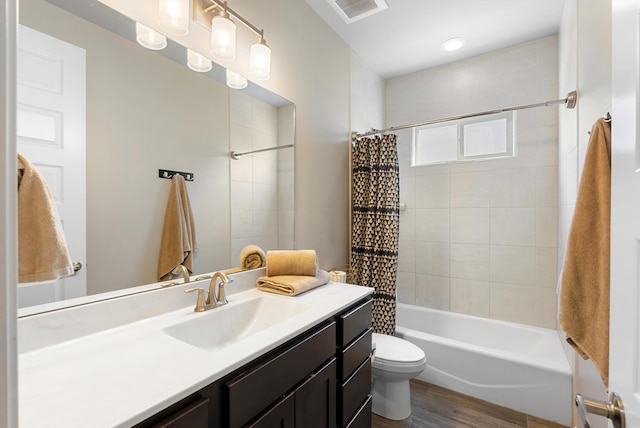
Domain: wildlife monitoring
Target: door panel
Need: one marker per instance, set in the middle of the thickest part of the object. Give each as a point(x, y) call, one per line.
point(624, 360)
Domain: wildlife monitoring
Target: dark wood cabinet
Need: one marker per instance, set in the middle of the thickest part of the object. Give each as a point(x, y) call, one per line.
point(353, 352)
point(320, 379)
point(315, 399)
point(194, 415)
point(280, 415)
point(254, 390)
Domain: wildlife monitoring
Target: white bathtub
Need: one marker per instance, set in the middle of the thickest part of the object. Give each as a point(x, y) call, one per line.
point(517, 366)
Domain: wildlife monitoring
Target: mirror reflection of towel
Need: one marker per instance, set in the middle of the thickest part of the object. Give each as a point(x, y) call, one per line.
point(252, 257)
point(42, 250)
point(178, 232)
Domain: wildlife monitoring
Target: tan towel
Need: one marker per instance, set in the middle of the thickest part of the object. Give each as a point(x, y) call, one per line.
point(178, 232)
point(584, 296)
point(285, 262)
point(42, 250)
point(252, 257)
point(292, 285)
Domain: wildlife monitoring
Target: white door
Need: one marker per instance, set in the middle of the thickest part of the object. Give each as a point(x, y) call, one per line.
point(624, 349)
point(51, 135)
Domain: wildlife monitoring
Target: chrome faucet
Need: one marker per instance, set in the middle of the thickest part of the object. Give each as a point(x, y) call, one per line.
point(185, 273)
point(220, 299)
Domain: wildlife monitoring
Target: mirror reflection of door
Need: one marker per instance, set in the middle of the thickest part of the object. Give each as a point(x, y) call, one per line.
point(51, 135)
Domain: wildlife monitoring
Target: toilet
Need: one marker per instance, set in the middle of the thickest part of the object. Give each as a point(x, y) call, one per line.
point(395, 362)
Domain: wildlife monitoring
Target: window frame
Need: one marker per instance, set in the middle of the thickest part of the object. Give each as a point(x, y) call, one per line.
point(511, 143)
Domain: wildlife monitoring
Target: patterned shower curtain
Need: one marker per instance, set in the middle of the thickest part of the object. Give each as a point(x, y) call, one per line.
point(376, 218)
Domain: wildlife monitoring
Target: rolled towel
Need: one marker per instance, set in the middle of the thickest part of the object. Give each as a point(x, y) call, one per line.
point(292, 285)
point(252, 257)
point(285, 262)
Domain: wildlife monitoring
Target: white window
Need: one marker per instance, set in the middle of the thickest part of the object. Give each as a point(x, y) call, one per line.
point(477, 138)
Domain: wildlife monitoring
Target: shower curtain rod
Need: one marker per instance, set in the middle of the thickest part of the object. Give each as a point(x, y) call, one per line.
point(570, 102)
point(236, 155)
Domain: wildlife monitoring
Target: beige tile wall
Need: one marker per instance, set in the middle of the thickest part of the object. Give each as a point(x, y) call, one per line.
point(261, 183)
point(481, 237)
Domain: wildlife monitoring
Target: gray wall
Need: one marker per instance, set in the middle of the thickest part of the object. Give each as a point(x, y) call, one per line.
point(310, 67)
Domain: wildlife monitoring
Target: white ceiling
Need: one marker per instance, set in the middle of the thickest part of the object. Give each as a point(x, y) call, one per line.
point(407, 36)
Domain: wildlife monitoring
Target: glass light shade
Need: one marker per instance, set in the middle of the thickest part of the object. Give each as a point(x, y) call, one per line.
point(223, 38)
point(174, 16)
point(235, 80)
point(260, 61)
point(197, 62)
point(149, 38)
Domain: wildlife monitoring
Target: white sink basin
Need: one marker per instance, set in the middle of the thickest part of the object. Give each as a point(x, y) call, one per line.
point(236, 321)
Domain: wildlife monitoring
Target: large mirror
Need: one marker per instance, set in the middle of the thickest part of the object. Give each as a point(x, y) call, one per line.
point(143, 111)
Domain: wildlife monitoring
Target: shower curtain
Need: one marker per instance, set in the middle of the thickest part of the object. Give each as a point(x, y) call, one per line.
point(376, 218)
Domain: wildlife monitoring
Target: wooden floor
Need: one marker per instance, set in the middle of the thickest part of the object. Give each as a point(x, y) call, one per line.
point(436, 407)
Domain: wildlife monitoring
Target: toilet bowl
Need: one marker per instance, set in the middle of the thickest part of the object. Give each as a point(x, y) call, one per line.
point(395, 362)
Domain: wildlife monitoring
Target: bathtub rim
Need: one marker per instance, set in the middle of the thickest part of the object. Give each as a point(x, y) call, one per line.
point(553, 363)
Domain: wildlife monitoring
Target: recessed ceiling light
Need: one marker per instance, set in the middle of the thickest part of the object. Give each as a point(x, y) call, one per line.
point(453, 44)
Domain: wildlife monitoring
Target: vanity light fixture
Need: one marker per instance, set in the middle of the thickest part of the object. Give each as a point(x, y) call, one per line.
point(453, 44)
point(174, 16)
point(223, 36)
point(223, 39)
point(260, 60)
point(149, 38)
point(198, 62)
point(235, 80)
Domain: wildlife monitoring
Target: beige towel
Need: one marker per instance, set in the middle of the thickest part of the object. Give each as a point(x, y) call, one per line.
point(42, 250)
point(178, 232)
point(584, 296)
point(292, 285)
point(284, 262)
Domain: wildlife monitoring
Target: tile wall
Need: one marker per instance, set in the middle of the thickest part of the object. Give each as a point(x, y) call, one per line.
point(480, 238)
point(261, 183)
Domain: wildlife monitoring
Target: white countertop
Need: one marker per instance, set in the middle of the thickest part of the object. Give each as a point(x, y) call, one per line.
point(122, 375)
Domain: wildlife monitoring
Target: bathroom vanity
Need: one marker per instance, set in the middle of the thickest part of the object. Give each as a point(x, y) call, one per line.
point(306, 382)
point(263, 360)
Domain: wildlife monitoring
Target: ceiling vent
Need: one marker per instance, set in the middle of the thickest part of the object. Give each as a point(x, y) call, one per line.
point(354, 10)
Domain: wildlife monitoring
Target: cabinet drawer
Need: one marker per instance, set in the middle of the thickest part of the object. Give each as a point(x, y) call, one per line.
point(354, 354)
point(355, 391)
point(362, 419)
point(353, 323)
point(279, 415)
point(255, 390)
point(195, 415)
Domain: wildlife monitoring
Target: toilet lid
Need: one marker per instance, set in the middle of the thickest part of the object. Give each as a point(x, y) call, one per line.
point(394, 349)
